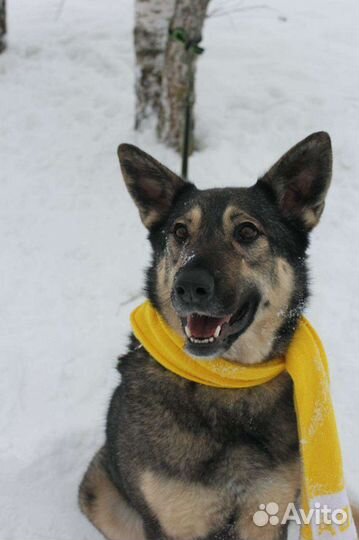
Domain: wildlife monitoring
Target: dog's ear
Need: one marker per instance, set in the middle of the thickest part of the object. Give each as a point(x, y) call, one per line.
point(301, 178)
point(152, 186)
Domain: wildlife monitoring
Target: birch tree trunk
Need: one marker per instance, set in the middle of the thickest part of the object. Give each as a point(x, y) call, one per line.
point(2, 25)
point(179, 64)
point(152, 19)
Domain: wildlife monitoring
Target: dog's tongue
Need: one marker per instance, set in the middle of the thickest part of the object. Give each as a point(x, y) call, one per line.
point(201, 326)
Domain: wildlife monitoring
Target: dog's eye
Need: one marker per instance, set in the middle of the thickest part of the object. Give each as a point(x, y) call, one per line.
point(245, 233)
point(181, 232)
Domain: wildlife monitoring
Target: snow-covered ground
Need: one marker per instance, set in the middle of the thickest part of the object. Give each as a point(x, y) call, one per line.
point(72, 249)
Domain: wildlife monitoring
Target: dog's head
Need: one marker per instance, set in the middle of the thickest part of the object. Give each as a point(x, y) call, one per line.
point(229, 265)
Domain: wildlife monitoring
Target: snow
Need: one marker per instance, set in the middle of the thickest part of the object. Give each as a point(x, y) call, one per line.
point(72, 248)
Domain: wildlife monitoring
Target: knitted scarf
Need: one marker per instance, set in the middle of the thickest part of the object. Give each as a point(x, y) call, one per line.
point(306, 362)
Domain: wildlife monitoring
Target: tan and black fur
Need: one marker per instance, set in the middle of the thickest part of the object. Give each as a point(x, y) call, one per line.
point(183, 461)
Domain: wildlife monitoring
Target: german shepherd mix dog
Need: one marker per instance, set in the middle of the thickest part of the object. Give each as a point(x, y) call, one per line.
point(185, 461)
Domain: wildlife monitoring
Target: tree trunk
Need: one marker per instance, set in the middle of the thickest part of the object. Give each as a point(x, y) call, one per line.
point(2, 25)
point(151, 30)
point(179, 72)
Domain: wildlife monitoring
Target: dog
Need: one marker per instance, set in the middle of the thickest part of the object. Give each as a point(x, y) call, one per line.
point(185, 461)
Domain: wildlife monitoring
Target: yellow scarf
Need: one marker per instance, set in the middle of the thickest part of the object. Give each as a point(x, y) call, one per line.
point(306, 363)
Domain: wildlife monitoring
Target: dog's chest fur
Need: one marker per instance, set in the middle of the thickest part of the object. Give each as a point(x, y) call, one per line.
point(181, 440)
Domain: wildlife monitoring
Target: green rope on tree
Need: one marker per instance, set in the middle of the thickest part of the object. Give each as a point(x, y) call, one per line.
point(181, 35)
point(191, 47)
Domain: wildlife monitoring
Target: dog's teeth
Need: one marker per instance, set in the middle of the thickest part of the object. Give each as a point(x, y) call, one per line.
point(204, 340)
point(217, 331)
point(188, 331)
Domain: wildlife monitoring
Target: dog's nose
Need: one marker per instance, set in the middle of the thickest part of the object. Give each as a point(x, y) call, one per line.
point(194, 288)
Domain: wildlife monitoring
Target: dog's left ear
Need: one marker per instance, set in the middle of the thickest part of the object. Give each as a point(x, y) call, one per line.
point(301, 178)
point(152, 186)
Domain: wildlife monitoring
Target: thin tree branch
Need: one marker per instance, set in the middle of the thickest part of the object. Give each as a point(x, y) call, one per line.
point(220, 12)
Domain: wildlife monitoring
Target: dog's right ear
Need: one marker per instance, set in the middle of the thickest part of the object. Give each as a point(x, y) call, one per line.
point(152, 186)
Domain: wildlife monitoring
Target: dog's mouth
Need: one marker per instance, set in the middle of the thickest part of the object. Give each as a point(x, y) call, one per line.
point(204, 329)
point(208, 335)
